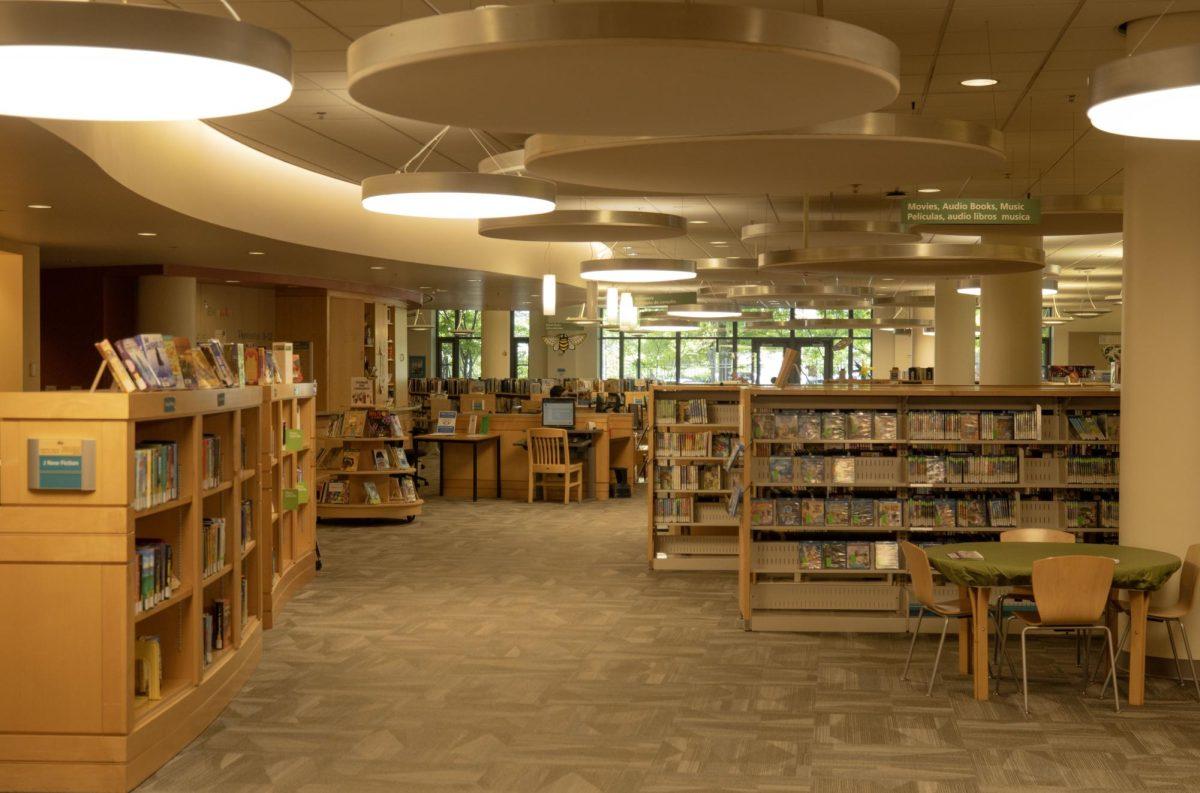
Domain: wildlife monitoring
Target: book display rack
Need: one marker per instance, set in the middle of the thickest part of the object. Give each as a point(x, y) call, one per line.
point(133, 540)
point(695, 449)
point(836, 477)
point(364, 469)
point(289, 456)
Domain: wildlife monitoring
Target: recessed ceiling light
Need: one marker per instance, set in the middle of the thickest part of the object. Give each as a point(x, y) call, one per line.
point(39, 206)
point(257, 253)
point(147, 233)
point(929, 189)
point(536, 294)
point(229, 281)
point(376, 266)
point(698, 222)
point(719, 242)
point(979, 82)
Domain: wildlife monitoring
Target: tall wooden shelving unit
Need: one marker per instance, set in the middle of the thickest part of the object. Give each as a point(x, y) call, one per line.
point(776, 593)
point(405, 511)
point(70, 719)
point(290, 555)
point(706, 538)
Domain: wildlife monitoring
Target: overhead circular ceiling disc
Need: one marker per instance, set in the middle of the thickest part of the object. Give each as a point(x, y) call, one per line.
point(512, 163)
point(801, 296)
point(616, 68)
point(840, 324)
point(585, 225)
point(874, 150)
point(904, 300)
point(914, 259)
point(825, 234)
point(1061, 216)
point(734, 269)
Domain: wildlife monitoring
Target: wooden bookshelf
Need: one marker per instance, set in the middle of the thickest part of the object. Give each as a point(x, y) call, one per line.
point(70, 716)
point(776, 591)
point(705, 538)
point(289, 546)
point(367, 474)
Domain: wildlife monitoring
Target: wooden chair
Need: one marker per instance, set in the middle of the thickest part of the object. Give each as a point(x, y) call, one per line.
point(549, 455)
point(1023, 594)
point(1071, 593)
point(1173, 614)
point(917, 564)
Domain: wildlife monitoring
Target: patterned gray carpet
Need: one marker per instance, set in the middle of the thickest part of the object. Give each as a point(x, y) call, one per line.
point(507, 647)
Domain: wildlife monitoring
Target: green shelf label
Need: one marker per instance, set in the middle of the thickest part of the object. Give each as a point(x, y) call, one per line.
point(971, 212)
point(293, 441)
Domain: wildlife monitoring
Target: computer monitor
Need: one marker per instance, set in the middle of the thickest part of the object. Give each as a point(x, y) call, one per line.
point(558, 412)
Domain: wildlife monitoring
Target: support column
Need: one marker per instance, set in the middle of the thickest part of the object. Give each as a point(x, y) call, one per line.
point(883, 348)
point(1160, 428)
point(923, 343)
point(20, 317)
point(954, 345)
point(497, 341)
point(538, 360)
point(167, 304)
point(1010, 320)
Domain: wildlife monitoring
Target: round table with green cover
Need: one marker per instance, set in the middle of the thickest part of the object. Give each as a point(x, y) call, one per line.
point(1140, 571)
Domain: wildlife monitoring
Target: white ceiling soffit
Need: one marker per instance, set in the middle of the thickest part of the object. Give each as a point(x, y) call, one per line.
point(615, 68)
point(193, 169)
point(1064, 215)
point(872, 151)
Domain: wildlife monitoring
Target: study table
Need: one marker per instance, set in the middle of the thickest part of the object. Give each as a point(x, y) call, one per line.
point(476, 441)
point(1139, 571)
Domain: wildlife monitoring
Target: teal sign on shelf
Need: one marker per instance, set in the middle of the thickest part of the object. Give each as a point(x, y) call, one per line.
point(971, 212)
point(62, 464)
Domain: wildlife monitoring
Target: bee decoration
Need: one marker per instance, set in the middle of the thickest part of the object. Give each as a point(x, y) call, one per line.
point(563, 342)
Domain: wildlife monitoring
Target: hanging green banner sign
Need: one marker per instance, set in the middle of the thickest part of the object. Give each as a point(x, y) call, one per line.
point(971, 212)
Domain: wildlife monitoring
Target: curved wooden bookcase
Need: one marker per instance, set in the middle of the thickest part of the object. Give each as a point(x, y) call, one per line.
point(359, 508)
point(74, 722)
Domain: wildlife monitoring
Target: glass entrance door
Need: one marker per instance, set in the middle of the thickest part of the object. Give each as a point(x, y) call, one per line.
point(815, 361)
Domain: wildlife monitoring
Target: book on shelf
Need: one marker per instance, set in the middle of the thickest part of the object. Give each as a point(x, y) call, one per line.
point(762, 512)
point(210, 461)
point(675, 509)
point(245, 601)
point(890, 512)
point(371, 493)
point(156, 573)
point(362, 391)
point(156, 473)
point(355, 423)
point(833, 556)
point(812, 469)
point(762, 425)
point(380, 455)
point(811, 556)
point(334, 491)
point(837, 512)
point(812, 511)
point(398, 456)
point(735, 500)
point(859, 425)
point(735, 453)
point(147, 669)
point(862, 512)
point(213, 542)
point(116, 368)
point(786, 424)
point(808, 425)
point(858, 556)
point(833, 426)
point(781, 469)
point(247, 521)
point(842, 470)
point(887, 555)
point(446, 421)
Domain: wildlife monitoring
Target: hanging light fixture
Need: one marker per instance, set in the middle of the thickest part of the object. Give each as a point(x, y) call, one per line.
point(627, 316)
point(611, 304)
point(455, 194)
point(1049, 286)
point(116, 62)
point(715, 309)
point(1153, 95)
point(637, 270)
point(970, 286)
point(663, 324)
point(589, 313)
point(417, 324)
point(1055, 318)
point(549, 295)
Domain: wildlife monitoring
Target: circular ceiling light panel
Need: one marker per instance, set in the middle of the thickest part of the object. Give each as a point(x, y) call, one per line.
point(1090, 313)
point(914, 259)
point(1152, 95)
point(585, 225)
point(733, 269)
point(802, 296)
point(843, 324)
point(714, 309)
point(616, 68)
point(115, 62)
point(460, 195)
point(875, 151)
point(903, 300)
point(1064, 215)
point(637, 270)
point(826, 234)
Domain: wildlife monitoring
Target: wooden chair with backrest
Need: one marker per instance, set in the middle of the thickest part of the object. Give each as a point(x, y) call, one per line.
point(549, 455)
point(916, 562)
point(1172, 615)
point(1023, 593)
point(1071, 593)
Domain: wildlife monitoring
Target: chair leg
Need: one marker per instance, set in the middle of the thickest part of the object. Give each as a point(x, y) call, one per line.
point(913, 643)
point(1084, 637)
point(1174, 651)
point(937, 659)
point(532, 475)
point(566, 488)
point(1000, 601)
point(1187, 648)
point(1112, 668)
point(1024, 671)
point(1112, 660)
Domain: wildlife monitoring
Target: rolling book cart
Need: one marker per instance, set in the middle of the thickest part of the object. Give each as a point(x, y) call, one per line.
point(365, 468)
point(836, 477)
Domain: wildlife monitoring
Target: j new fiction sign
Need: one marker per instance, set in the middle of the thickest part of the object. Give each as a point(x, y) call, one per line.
point(971, 212)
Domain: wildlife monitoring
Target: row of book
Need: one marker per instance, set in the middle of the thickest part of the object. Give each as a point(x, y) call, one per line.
point(348, 458)
point(827, 512)
point(213, 545)
point(154, 362)
point(971, 425)
point(364, 424)
point(674, 509)
point(1095, 427)
point(1093, 470)
point(210, 461)
point(247, 522)
point(155, 573)
point(1103, 514)
point(217, 628)
point(823, 425)
point(838, 555)
point(694, 411)
point(155, 473)
point(816, 469)
point(992, 469)
point(400, 490)
point(147, 669)
point(523, 385)
point(691, 477)
point(961, 513)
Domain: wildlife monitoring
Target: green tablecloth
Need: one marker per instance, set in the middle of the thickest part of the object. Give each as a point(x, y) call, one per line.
point(1011, 563)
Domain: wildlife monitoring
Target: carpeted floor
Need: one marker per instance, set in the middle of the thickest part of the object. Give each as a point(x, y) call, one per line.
point(500, 646)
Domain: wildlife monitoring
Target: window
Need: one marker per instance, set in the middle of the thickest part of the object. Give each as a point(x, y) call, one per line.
point(519, 350)
point(459, 344)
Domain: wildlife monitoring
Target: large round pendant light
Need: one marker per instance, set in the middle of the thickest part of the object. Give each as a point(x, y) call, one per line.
point(802, 296)
point(456, 194)
point(623, 68)
point(714, 309)
point(637, 270)
point(825, 233)
point(115, 62)
point(585, 225)
point(1152, 95)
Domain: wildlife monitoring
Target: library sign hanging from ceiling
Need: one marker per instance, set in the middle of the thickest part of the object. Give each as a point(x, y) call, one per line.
point(971, 211)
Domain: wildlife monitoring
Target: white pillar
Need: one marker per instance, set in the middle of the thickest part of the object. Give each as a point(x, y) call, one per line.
point(954, 345)
point(1160, 427)
point(538, 350)
point(1010, 320)
point(883, 348)
point(923, 343)
point(167, 304)
point(497, 341)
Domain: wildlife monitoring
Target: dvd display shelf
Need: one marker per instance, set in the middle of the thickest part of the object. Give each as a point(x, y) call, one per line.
point(289, 456)
point(836, 477)
point(694, 451)
point(364, 469)
point(131, 554)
